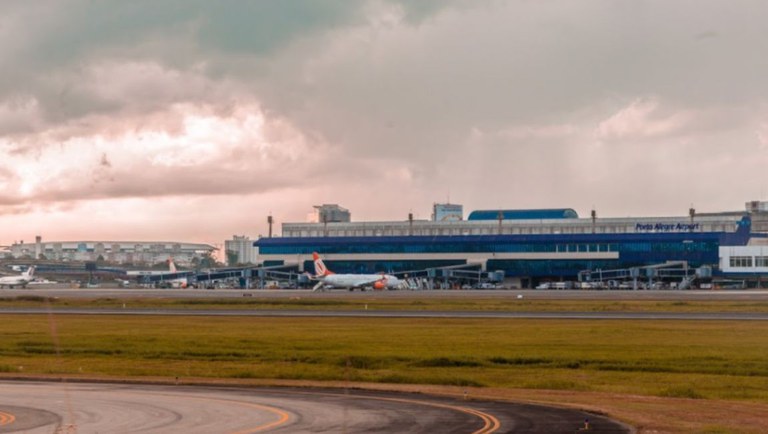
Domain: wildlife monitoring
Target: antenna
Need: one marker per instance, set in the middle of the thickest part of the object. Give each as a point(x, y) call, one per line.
point(692, 213)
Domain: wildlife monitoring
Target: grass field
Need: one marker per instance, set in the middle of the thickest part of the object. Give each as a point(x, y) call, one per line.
point(723, 360)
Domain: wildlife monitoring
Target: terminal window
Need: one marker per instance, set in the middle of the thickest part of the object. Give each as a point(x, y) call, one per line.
point(761, 261)
point(741, 261)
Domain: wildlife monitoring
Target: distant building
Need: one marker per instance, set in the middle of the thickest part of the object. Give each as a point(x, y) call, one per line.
point(116, 252)
point(523, 214)
point(442, 212)
point(331, 213)
point(241, 247)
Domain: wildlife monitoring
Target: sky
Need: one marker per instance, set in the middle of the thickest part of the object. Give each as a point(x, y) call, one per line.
point(194, 120)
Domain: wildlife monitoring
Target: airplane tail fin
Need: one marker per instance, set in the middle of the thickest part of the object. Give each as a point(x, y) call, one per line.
point(171, 265)
point(30, 271)
point(320, 268)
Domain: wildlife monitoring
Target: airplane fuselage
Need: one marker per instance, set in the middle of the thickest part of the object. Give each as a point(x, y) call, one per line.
point(12, 281)
point(21, 280)
point(328, 278)
point(361, 280)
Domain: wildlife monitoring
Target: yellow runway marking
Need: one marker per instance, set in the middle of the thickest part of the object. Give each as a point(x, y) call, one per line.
point(6, 418)
point(490, 423)
point(282, 416)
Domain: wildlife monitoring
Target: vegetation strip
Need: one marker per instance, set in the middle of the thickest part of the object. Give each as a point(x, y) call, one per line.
point(691, 359)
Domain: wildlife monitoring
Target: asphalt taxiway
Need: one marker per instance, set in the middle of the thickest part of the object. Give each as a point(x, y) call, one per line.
point(46, 407)
point(62, 291)
point(128, 294)
point(365, 313)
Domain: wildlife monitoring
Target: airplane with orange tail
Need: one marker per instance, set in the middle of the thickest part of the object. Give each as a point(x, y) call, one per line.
point(328, 278)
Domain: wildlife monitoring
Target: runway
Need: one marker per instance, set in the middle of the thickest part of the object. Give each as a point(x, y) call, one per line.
point(62, 291)
point(365, 313)
point(44, 407)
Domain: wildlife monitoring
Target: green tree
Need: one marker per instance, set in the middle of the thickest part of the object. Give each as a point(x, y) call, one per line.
point(209, 261)
point(232, 258)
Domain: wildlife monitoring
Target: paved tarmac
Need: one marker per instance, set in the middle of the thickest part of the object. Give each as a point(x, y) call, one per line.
point(366, 313)
point(134, 293)
point(46, 407)
point(62, 291)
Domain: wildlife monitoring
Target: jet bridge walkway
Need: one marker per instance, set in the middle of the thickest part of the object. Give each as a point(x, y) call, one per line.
point(443, 277)
point(670, 274)
point(247, 277)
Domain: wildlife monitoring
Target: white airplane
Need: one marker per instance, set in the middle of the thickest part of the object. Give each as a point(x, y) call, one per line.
point(179, 282)
point(21, 280)
point(328, 278)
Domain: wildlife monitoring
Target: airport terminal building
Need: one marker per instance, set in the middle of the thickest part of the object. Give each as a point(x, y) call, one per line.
point(530, 246)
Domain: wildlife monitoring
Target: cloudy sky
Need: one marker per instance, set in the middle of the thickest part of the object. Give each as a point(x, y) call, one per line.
point(194, 120)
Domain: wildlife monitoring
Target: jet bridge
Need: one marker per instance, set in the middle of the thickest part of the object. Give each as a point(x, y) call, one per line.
point(165, 277)
point(288, 276)
point(283, 275)
point(671, 274)
point(443, 277)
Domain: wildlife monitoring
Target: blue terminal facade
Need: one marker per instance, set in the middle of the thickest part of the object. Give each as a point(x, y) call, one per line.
point(550, 247)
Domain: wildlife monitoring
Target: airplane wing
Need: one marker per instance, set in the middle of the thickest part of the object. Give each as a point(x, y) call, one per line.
point(366, 282)
point(374, 281)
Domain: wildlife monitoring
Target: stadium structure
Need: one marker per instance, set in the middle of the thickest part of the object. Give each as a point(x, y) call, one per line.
point(114, 252)
point(531, 246)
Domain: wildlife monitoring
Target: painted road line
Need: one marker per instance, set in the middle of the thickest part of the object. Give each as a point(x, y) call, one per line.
point(490, 423)
point(282, 415)
point(6, 418)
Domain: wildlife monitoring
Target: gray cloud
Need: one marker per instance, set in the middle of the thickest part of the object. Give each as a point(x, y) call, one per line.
point(627, 106)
